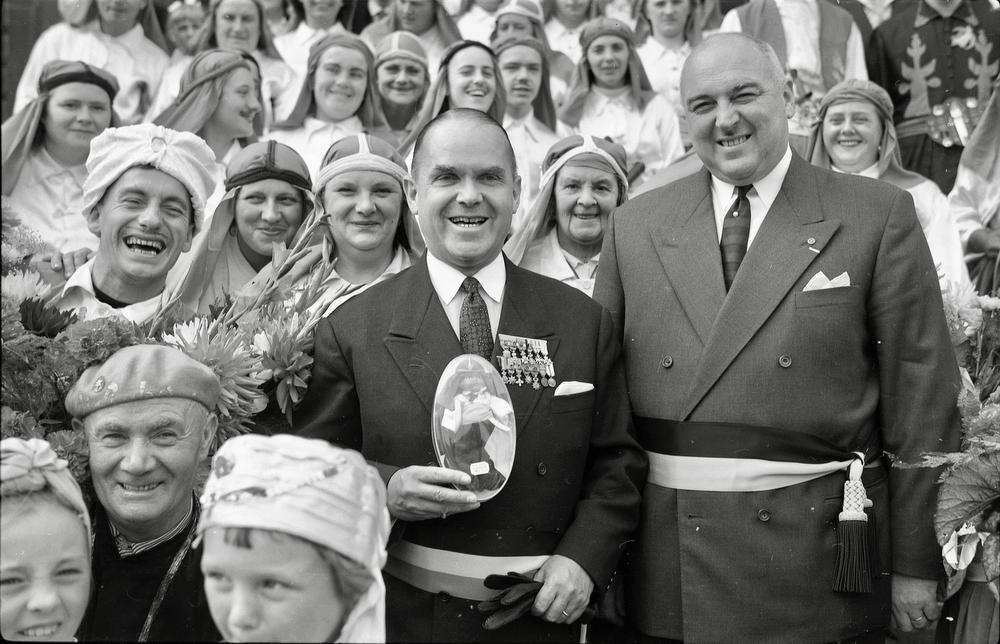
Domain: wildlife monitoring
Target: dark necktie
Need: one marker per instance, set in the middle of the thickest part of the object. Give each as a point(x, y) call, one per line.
point(474, 322)
point(735, 234)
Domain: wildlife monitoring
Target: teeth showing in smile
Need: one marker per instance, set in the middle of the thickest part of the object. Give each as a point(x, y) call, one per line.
point(850, 143)
point(733, 142)
point(468, 222)
point(149, 247)
point(139, 488)
point(40, 631)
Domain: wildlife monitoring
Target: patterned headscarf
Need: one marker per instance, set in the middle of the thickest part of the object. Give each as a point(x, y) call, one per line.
point(641, 90)
point(575, 150)
point(29, 466)
point(201, 90)
point(370, 111)
point(21, 131)
point(890, 167)
point(403, 44)
point(309, 489)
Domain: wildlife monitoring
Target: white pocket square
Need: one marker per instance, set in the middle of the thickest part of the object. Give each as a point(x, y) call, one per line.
point(570, 387)
point(820, 281)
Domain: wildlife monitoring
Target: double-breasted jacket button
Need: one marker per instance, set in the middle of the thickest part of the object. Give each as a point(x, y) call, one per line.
point(764, 515)
point(785, 361)
point(542, 469)
point(444, 597)
point(667, 362)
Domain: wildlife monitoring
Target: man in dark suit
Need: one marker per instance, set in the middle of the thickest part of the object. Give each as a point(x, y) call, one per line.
point(777, 318)
point(571, 499)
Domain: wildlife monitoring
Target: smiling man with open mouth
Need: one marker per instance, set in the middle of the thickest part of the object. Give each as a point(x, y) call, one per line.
point(145, 198)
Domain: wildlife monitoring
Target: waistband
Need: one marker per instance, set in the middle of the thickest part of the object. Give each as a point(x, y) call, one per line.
point(456, 573)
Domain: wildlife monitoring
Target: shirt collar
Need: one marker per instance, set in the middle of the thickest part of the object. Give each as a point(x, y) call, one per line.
point(926, 13)
point(767, 188)
point(81, 278)
point(128, 548)
point(602, 96)
point(531, 125)
point(871, 171)
point(131, 39)
point(46, 168)
point(447, 280)
point(307, 34)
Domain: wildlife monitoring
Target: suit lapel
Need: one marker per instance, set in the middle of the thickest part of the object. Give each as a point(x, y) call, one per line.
point(521, 315)
point(694, 272)
point(421, 340)
point(791, 237)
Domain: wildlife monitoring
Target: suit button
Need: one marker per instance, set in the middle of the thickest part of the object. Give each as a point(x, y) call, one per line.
point(542, 469)
point(764, 515)
point(667, 362)
point(785, 361)
point(444, 597)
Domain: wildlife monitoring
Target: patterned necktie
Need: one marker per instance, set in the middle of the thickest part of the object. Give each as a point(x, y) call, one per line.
point(735, 234)
point(474, 322)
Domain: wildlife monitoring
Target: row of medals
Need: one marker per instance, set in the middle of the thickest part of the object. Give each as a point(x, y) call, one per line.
point(525, 361)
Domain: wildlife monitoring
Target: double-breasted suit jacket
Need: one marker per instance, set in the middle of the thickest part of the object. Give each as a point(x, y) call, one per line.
point(575, 485)
point(867, 367)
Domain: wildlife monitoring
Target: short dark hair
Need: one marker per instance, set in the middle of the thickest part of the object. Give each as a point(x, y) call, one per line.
point(462, 115)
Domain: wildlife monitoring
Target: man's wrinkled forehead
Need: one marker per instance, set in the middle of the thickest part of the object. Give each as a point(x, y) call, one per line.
point(148, 418)
point(482, 133)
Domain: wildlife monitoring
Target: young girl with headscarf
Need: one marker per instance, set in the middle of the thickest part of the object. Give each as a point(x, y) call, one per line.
point(402, 78)
point(267, 197)
point(127, 43)
point(45, 540)
point(337, 99)
point(320, 18)
point(855, 134)
point(45, 148)
point(583, 180)
point(526, 18)
point(426, 19)
point(610, 96)
point(310, 520)
point(566, 22)
point(239, 25)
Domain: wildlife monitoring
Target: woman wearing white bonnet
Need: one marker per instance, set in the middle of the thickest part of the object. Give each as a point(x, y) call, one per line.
point(310, 521)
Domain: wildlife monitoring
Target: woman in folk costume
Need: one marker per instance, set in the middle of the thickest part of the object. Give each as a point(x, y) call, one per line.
point(220, 102)
point(122, 37)
point(530, 119)
point(583, 180)
point(526, 18)
point(427, 19)
point(975, 199)
point(239, 25)
point(402, 78)
point(665, 32)
point(565, 24)
point(320, 18)
point(45, 538)
point(267, 197)
point(294, 533)
point(855, 135)
point(361, 193)
point(610, 97)
point(469, 77)
point(337, 99)
point(45, 148)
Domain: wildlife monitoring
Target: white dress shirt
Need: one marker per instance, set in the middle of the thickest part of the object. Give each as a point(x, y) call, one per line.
point(78, 293)
point(294, 46)
point(531, 139)
point(564, 39)
point(48, 198)
point(663, 67)
point(447, 282)
point(763, 194)
point(477, 24)
point(546, 257)
point(313, 139)
point(137, 63)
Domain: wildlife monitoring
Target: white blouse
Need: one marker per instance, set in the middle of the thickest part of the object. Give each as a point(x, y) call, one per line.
point(315, 137)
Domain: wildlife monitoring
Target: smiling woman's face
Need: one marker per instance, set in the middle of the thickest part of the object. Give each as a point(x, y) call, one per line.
point(472, 81)
point(339, 83)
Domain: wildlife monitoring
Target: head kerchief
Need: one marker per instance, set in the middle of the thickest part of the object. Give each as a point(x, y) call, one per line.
point(80, 12)
point(182, 155)
point(528, 9)
point(265, 42)
point(436, 100)
point(692, 26)
point(312, 490)
point(369, 112)
point(890, 167)
point(142, 372)
point(367, 153)
point(20, 131)
point(28, 466)
point(578, 149)
point(401, 44)
point(445, 24)
point(543, 107)
point(640, 89)
point(201, 90)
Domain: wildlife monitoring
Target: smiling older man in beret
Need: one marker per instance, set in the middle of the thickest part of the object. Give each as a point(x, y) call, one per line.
point(147, 413)
point(144, 197)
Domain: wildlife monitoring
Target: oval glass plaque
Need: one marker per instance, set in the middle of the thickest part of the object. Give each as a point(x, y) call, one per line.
point(473, 427)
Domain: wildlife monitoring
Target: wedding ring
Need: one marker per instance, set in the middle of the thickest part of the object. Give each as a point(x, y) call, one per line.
point(919, 619)
point(444, 515)
point(565, 614)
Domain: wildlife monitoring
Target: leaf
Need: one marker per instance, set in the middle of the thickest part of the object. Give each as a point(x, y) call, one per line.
point(967, 491)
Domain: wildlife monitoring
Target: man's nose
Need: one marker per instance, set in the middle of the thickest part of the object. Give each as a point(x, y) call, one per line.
point(468, 193)
point(138, 459)
point(726, 115)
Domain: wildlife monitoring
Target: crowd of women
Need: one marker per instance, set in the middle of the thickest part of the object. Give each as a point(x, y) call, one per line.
point(312, 114)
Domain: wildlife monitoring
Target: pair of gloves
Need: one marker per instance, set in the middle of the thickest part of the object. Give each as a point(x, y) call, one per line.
point(517, 594)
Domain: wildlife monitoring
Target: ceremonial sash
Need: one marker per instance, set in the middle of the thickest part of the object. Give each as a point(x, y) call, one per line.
point(456, 573)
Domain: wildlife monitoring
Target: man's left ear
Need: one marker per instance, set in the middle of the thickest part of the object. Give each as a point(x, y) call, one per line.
point(517, 191)
point(211, 426)
point(411, 196)
point(94, 220)
point(789, 96)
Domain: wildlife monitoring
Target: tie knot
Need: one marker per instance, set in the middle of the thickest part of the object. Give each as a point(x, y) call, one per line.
point(470, 285)
point(743, 190)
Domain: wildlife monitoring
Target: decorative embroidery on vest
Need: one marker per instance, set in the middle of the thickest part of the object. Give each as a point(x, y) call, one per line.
point(919, 77)
point(983, 71)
